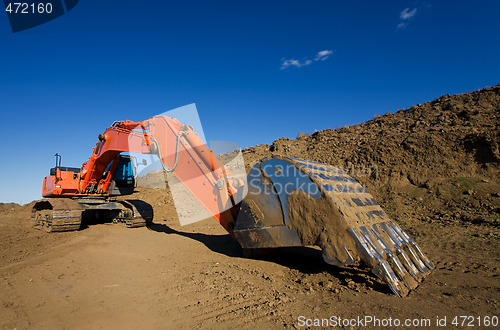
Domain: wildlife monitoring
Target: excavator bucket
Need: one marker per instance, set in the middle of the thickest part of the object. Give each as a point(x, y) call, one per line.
point(295, 202)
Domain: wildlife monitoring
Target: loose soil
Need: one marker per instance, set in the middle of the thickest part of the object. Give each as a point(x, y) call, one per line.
point(434, 168)
point(318, 222)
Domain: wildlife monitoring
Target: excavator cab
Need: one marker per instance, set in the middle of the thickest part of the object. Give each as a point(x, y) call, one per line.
point(124, 180)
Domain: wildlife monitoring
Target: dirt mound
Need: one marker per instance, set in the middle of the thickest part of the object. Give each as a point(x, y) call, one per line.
point(437, 161)
point(9, 206)
point(154, 179)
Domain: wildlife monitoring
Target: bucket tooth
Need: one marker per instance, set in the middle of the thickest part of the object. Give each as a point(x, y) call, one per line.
point(416, 260)
point(402, 273)
point(393, 259)
point(423, 257)
point(409, 245)
point(385, 272)
point(396, 277)
point(400, 245)
point(380, 267)
point(371, 256)
point(319, 204)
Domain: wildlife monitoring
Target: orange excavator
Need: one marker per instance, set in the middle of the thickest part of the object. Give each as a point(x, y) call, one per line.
point(283, 202)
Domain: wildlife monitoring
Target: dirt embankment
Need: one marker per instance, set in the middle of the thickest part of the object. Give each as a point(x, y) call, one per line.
point(434, 168)
point(437, 161)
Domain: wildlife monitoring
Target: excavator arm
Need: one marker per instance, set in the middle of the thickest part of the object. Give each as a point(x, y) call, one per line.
point(181, 152)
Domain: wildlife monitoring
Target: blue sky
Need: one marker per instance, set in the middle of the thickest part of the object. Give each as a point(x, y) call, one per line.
point(257, 70)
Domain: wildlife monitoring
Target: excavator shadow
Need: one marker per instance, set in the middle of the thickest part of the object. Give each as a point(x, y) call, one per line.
point(223, 244)
point(309, 260)
point(306, 260)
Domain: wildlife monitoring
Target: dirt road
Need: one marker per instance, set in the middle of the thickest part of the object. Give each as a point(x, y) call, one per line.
point(168, 276)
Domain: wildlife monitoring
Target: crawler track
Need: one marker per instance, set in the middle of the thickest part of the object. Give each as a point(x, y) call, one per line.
point(62, 214)
point(67, 214)
point(142, 213)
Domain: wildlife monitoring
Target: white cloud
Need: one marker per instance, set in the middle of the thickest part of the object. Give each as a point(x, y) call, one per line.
point(402, 25)
point(323, 55)
point(405, 17)
point(408, 13)
point(296, 63)
point(320, 56)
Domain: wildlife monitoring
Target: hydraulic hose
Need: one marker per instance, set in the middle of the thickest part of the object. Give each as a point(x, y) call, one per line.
point(158, 152)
